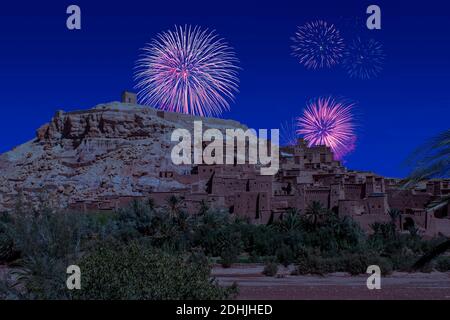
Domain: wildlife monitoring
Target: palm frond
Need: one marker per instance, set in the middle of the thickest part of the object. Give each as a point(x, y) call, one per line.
point(431, 160)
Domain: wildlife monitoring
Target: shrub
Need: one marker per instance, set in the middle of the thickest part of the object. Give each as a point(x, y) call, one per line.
point(357, 263)
point(303, 266)
point(313, 264)
point(316, 265)
point(228, 256)
point(137, 272)
point(427, 268)
point(48, 241)
point(6, 248)
point(264, 241)
point(135, 219)
point(303, 262)
point(48, 233)
point(385, 265)
point(230, 245)
point(443, 264)
point(285, 255)
point(354, 263)
point(270, 269)
point(6, 240)
point(334, 235)
point(403, 261)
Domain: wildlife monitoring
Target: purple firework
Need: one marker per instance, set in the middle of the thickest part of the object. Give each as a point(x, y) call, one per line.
point(188, 70)
point(318, 44)
point(328, 121)
point(364, 59)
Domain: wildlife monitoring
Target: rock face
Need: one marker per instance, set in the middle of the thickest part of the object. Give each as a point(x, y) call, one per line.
point(112, 150)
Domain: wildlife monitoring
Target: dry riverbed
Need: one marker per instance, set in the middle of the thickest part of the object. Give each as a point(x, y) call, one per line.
point(254, 285)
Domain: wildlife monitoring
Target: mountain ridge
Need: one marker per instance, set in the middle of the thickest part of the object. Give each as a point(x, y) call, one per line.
point(112, 149)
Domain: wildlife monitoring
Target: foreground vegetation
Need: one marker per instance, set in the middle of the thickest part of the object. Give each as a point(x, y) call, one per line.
point(148, 252)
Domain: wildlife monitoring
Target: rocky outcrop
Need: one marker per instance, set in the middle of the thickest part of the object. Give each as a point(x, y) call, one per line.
point(112, 150)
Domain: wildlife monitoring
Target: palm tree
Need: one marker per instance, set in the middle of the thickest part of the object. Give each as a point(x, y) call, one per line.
point(151, 203)
point(174, 204)
point(431, 160)
point(291, 221)
point(395, 215)
point(315, 210)
point(204, 208)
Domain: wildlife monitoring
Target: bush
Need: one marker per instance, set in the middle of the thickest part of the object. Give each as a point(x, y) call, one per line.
point(315, 265)
point(6, 240)
point(137, 272)
point(384, 264)
point(47, 242)
point(334, 235)
point(285, 255)
point(353, 263)
point(135, 219)
point(270, 269)
point(48, 233)
point(310, 263)
point(6, 248)
point(264, 241)
point(357, 263)
point(443, 264)
point(403, 261)
point(228, 256)
point(230, 245)
point(303, 267)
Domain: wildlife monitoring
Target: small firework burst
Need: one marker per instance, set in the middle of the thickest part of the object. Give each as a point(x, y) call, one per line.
point(288, 134)
point(329, 121)
point(318, 44)
point(187, 70)
point(364, 59)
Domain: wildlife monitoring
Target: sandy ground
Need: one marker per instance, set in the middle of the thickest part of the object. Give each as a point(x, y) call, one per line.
point(410, 286)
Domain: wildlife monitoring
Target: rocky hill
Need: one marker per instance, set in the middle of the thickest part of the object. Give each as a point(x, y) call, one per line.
point(111, 150)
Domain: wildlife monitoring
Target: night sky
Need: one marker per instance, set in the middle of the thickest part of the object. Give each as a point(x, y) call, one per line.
point(45, 67)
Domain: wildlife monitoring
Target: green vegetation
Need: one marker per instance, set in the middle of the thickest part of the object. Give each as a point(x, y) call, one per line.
point(431, 160)
point(148, 252)
point(136, 271)
point(270, 269)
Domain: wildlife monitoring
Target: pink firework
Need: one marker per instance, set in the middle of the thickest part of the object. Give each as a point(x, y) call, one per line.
point(327, 121)
point(188, 70)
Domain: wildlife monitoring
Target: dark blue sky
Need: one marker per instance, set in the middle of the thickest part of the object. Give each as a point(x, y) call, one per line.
point(45, 67)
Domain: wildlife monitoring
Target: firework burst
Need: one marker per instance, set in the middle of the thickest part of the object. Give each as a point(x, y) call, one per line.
point(187, 70)
point(318, 44)
point(364, 59)
point(328, 121)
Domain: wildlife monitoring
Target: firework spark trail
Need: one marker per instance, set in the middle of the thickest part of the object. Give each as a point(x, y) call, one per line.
point(364, 59)
point(318, 44)
point(327, 121)
point(188, 70)
point(288, 134)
